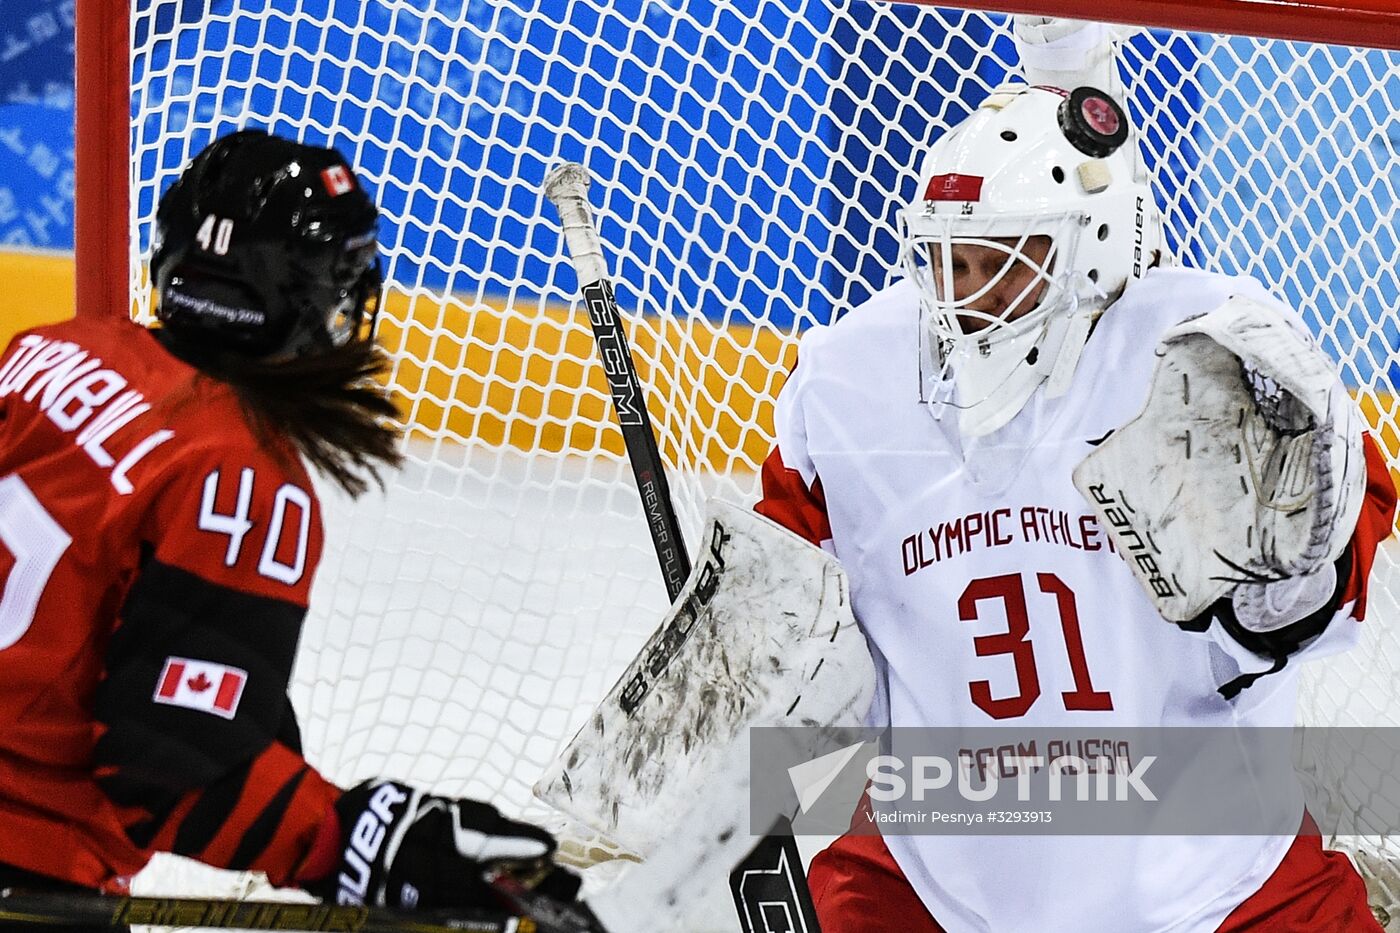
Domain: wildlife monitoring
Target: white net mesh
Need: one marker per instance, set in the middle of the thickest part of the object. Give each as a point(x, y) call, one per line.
point(748, 158)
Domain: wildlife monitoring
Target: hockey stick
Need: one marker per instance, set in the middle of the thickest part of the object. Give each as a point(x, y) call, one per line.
point(566, 187)
point(532, 913)
point(91, 910)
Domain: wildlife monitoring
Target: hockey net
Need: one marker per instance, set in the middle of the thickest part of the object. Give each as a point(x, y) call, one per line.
point(749, 159)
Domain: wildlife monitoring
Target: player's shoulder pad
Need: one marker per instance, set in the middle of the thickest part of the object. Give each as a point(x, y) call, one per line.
point(894, 307)
point(199, 446)
point(868, 343)
point(1133, 325)
point(210, 427)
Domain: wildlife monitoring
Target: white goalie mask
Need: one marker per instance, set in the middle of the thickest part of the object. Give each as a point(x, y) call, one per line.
point(1031, 219)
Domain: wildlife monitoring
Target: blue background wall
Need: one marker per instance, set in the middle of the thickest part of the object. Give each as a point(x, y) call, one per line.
point(36, 124)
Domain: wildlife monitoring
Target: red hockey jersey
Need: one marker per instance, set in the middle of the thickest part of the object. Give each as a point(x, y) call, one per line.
point(155, 558)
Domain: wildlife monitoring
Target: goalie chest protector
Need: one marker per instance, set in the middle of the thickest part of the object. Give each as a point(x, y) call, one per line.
point(993, 598)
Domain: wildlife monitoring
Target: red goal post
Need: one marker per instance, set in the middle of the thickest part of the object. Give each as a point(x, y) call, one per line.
point(102, 155)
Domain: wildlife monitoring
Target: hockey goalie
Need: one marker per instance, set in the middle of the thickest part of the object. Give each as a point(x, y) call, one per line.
point(1180, 506)
point(1175, 501)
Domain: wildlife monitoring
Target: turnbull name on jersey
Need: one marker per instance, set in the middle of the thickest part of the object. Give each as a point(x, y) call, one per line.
point(83, 398)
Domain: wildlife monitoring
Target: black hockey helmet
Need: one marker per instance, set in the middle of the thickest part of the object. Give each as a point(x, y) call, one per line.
point(265, 246)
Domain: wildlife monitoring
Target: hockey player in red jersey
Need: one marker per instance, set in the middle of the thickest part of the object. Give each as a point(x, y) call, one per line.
point(1032, 358)
point(158, 538)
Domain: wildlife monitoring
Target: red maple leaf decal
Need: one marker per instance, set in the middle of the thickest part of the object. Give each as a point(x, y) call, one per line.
point(199, 683)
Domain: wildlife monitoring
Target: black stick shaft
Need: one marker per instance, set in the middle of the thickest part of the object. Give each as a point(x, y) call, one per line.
point(567, 187)
point(637, 434)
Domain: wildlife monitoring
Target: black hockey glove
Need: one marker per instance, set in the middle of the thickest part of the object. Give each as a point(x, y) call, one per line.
point(406, 849)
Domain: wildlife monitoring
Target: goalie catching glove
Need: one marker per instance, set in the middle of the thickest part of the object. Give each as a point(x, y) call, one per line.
point(402, 848)
point(1243, 477)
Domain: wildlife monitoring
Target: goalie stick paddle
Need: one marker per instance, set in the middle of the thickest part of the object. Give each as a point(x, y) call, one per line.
point(773, 867)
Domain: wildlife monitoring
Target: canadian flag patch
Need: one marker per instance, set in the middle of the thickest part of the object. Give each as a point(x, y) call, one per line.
point(202, 685)
point(338, 180)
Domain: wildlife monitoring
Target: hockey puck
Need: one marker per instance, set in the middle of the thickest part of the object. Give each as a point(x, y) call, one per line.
point(1093, 122)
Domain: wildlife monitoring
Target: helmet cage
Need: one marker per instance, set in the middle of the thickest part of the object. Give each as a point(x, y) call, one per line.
point(929, 243)
point(353, 317)
point(342, 305)
point(1022, 166)
point(985, 372)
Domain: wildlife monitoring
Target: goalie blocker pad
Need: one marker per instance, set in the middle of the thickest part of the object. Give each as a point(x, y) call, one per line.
point(1244, 468)
point(762, 635)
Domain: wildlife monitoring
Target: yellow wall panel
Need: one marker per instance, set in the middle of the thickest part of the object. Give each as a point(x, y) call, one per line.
point(38, 290)
point(532, 380)
point(1381, 411)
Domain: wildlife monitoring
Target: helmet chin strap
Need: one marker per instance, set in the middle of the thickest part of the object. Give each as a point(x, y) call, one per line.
point(1086, 303)
point(992, 391)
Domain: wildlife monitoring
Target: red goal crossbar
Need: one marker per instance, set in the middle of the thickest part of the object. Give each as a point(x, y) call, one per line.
point(1370, 23)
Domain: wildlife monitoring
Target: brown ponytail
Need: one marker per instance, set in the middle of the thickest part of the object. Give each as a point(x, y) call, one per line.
point(330, 405)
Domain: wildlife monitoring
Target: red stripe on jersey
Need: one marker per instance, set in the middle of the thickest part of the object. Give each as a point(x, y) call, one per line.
point(300, 821)
point(273, 768)
point(298, 844)
point(1311, 889)
point(170, 682)
point(858, 887)
point(296, 825)
point(1375, 524)
point(324, 855)
point(164, 839)
point(788, 501)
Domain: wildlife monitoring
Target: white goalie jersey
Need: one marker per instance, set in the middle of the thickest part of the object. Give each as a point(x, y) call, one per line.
point(991, 595)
